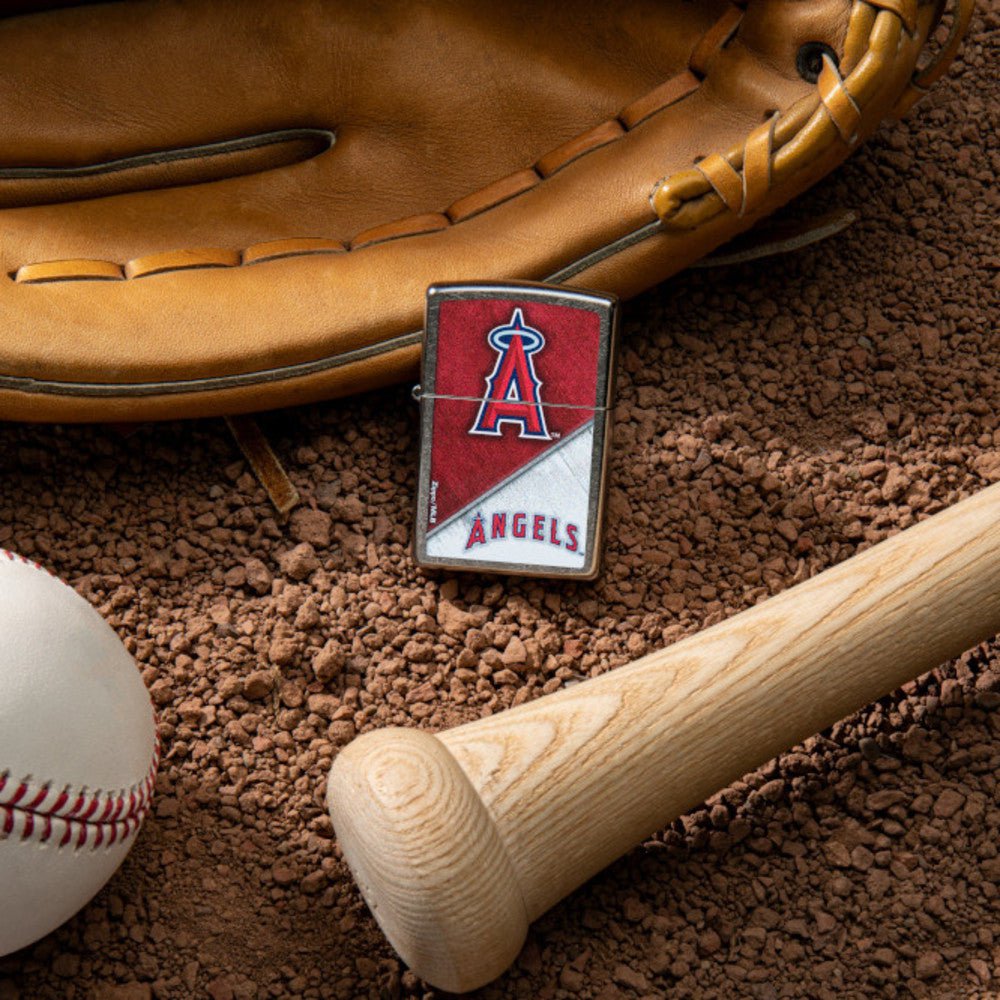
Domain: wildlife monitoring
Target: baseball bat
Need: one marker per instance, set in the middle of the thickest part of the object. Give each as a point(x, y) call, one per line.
point(459, 840)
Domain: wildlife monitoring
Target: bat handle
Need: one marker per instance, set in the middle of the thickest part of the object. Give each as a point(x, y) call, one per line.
point(458, 841)
point(428, 857)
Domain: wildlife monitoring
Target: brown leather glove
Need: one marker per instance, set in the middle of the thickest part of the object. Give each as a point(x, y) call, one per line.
point(211, 206)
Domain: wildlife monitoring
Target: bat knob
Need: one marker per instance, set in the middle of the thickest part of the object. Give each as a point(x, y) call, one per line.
point(428, 857)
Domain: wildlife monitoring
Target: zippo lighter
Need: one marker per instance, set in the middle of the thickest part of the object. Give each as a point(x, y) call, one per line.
point(515, 395)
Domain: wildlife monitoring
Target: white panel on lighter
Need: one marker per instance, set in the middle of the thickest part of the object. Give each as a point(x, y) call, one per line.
point(562, 526)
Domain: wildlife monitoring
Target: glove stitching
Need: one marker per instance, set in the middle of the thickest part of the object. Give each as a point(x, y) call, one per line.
point(691, 198)
point(665, 95)
point(670, 198)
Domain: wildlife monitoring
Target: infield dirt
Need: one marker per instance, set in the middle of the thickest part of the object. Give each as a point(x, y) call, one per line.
point(773, 419)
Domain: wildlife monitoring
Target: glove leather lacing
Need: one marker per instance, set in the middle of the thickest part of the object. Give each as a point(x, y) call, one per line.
point(739, 181)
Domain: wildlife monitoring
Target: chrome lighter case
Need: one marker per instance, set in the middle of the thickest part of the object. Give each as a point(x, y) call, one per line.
point(515, 394)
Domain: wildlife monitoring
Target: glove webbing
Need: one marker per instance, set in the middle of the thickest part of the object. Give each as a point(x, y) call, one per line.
point(741, 180)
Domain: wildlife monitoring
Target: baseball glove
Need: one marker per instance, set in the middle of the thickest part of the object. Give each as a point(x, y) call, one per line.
point(211, 206)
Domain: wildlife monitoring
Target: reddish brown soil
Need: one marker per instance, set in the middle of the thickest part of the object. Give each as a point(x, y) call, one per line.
point(773, 419)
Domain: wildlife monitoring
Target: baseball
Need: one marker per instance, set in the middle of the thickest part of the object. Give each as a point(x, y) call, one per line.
point(78, 752)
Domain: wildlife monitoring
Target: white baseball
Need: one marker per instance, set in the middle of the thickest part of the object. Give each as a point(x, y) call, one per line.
point(78, 752)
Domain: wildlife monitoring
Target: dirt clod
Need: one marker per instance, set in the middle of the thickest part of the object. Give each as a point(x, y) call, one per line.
point(772, 419)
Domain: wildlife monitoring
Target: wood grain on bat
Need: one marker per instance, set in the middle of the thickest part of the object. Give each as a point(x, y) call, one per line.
point(571, 781)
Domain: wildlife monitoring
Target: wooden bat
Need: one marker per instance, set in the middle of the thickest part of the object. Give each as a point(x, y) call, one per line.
point(459, 840)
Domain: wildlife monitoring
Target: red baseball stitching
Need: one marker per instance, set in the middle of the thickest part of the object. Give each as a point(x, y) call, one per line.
point(69, 817)
point(14, 557)
point(65, 816)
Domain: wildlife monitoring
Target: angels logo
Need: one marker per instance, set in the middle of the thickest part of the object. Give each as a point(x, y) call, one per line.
point(512, 389)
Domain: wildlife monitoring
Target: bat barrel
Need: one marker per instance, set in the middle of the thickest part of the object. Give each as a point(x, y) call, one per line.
point(460, 840)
